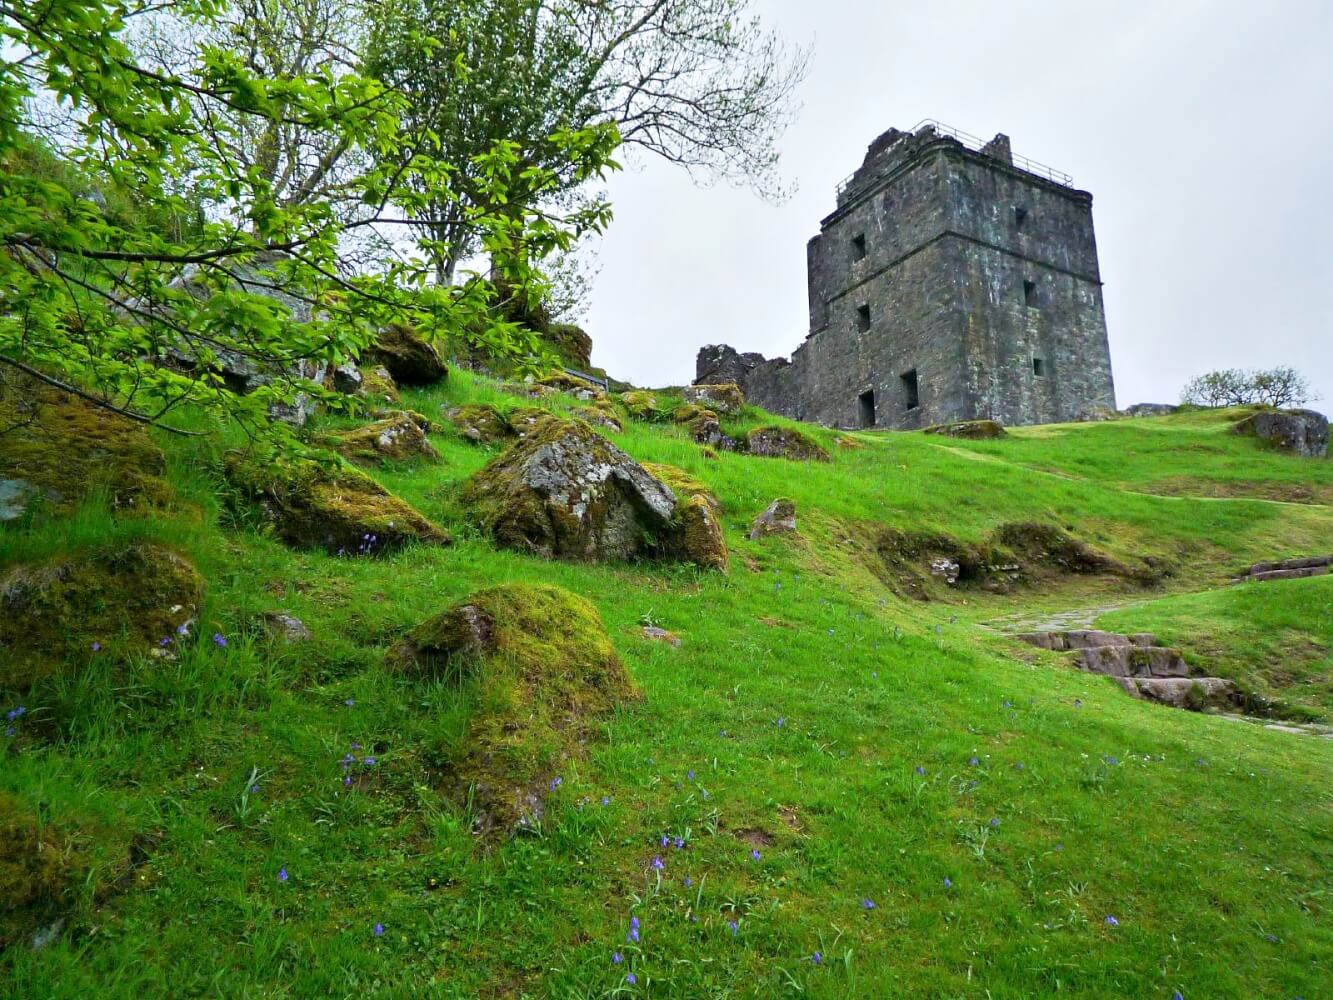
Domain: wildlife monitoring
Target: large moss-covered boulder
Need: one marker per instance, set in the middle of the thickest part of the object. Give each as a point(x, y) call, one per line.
point(398, 436)
point(565, 491)
point(57, 447)
point(1301, 432)
point(480, 423)
point(725, 398)
point(602, 413)
point(976, 430)
point(785, 442)
point(327, 506)
point(409, 357)
point(703, 426)
point(139, 599)
point(580, 388)
point(699, 534)
point(543, 675)
point(682, 483)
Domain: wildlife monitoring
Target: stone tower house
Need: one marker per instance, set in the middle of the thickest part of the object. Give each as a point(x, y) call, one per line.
point(953, 281)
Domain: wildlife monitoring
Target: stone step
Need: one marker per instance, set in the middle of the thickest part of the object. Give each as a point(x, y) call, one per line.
point(1133, 661)
point(1182, 692)
point(1085, 639)
point(1295, 573)
point(1305, 562)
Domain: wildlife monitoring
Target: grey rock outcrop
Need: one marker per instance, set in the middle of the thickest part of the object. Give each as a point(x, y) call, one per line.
point(778, 519)
point(1301, 432)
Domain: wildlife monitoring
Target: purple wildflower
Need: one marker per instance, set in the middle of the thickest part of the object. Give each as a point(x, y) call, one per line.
point(606, 800)
point(867, 904)
point(282, 874)
point(948, 882)
point(679, 843)
point(666, 840)
point(973, 761)
point(688, 881)
point(1112, 922)
point(347, 781)
point(219, 640)
point(817, 958)
point(96, 646)
point(369, 762)
point(350, 703)
point(183, 629)
point(254, 789)
point(629, 978)
point(556, 782)
point(15, 713)
point(735, 927)
point(689, 775)
point(378, 931)
point(782, 721)
point(754, 854)
point(919, 769)
point(356, 746)
point(657, 864)
point(994, 823)
point(165, 641)
point(1111, 760)
point(617, 958)
point(1177, 995)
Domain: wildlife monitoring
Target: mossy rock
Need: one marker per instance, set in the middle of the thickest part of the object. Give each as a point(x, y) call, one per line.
point(126, 600)
point(378, 387)
point(331, 507)
point(1044, 545)
point(689, 412)
point(602, 413)
point(543, 675)
point(409, 358)
point(784, 442)
point(682, 483)
point(525, 421)
point(565, 491)
point(642, 406)
point(977, 430)
point(564, 382)
point(37, 876)
point(397, 437)
point(59, 446)
point(700, 533)
point(725, 398)
point(571, 344)
point(480, 423)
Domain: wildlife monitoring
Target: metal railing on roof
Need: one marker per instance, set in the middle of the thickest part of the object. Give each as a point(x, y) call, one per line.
point(976, 144)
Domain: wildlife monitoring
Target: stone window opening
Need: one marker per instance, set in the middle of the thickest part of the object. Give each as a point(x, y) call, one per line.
point(1020, 217)
point(1030, 294)
point(866, 408)
point(859, 246)
point(863, 317)
point(911, 390)
point(1038, 367)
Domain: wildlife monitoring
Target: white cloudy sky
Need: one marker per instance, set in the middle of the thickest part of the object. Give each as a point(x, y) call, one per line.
point(1203, 129)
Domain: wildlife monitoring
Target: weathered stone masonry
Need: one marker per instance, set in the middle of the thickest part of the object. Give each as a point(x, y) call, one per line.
point(950, 283)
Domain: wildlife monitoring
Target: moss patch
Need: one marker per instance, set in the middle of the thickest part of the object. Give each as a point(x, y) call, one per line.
point(682, 483)
point(785, 442)
point(397, 437)
point(480, 423)
point(543, 672)
point(65, 446)
point(642, 406)
point(976, 430)
point(330, 507)
point(36, 875)
point(409, 358)
point(126, 600)
point(378, 387)
point(701, 539)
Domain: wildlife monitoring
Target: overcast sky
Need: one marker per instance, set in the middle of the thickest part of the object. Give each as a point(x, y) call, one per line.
point(1204, 131)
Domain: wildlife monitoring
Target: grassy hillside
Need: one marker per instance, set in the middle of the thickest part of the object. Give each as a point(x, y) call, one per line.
point(874, 795)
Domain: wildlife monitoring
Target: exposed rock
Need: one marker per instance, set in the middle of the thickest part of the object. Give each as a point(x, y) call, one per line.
point(703, 426)
point(778, 519)
point(682, 483)
point(1194, 693)
point(946, 569)
point(565, 491)
point(700, 534)
point(377, 386)
point(287, 628)
point(1301, 432)
point(398, 437)
point(410, 359)
point(480, 423)
point(59, 447)
point(545, 674)
point(726, 399)
point(655, 634)
point(347, 379)
point(577, 387)
point(1150, 410)
point(1289, 569)
point(571, 344)
point(334, 508)
point(973, 429)
point(1133, 661)
point(642, 406)
point(1045, 544)
point(528, 420)
point(602, 413)
point(1097, 414)
point(135, 600)
point(784, 442)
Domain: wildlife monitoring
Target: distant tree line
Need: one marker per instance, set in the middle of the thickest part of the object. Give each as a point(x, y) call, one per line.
point(1277, 387)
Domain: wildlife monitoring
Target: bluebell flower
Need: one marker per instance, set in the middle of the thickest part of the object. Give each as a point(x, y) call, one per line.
point(369, 762)
point(867, 904)
point(754, 854)
point(994, 823)
point(665, 840)
point(689, 775)
point(948, 882)
point(165, 641)
point(350, 703)
point(688, 881)
point(378, 930)
point(629, 978)
point(657, 864)
point(617, 958)
point(606, 800)
point(219, 640)
point(15, 713)
point(282, 874)
point(973, 761)
point(919, 769)
point(96, 646)
point(817, 958)
point(735, 927)
point(679, 843)
point(183, 628)
point(556, 782)
point(1112, 922)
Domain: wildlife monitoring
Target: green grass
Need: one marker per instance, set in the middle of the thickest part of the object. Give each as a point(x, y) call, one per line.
point(803, 698)
point(1275, 638)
